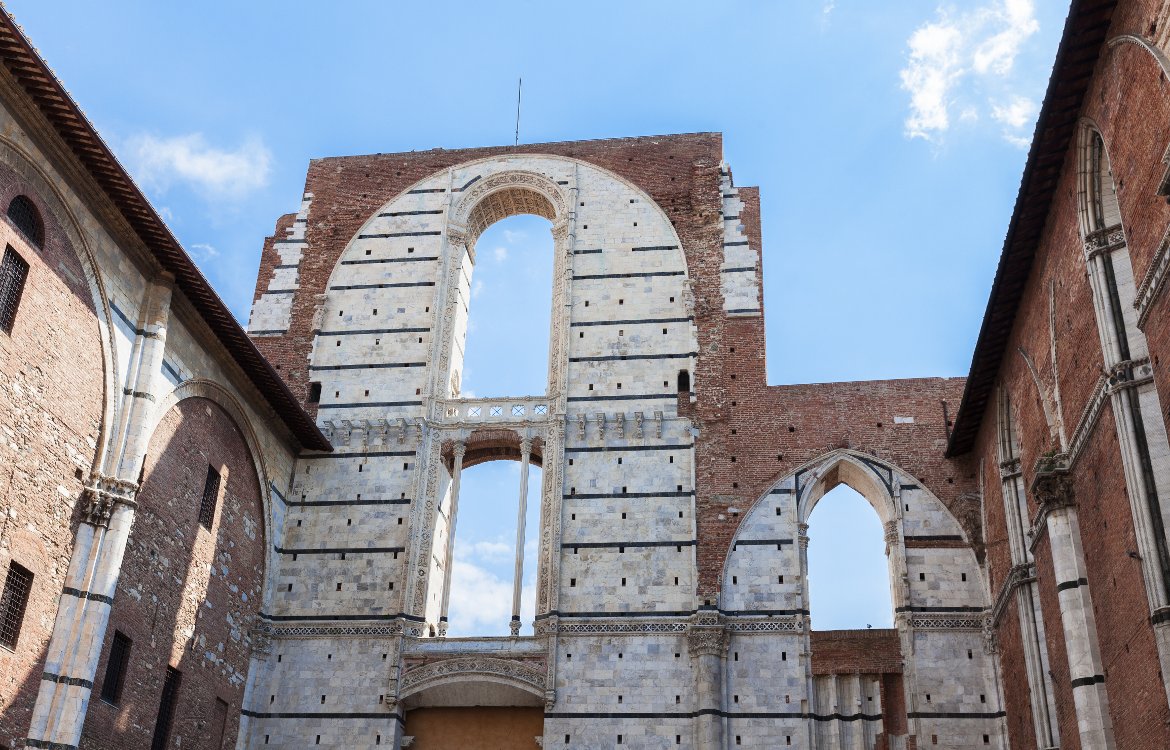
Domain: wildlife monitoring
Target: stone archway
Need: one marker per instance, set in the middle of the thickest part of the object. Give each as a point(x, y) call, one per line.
point(473, 702)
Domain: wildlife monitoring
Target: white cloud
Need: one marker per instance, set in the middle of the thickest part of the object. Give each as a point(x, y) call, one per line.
point(481, 602)
point(159, 163)
point(827, 12)
point(512, 236)
point(202, 252)
point(476, 288)
point(955, 56)
point(1016, 113)
point(500, 254)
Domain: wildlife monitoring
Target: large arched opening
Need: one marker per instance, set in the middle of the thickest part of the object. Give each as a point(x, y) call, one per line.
point(507, 340)
point(848, 572)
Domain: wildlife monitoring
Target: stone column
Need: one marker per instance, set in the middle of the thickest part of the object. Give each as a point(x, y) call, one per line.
point(1053, 490)
point(107, 513)
point(521, 514)
point(707, 644)
point(457, 454)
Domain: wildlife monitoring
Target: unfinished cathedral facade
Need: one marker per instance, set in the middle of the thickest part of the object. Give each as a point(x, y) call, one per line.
point(216, 538)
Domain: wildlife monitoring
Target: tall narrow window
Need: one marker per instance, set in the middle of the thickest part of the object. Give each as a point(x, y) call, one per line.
point(13, 272)
point(210, 498)
point(219, 723)
point(116, 668)
point(684, 381)
point(17, 585)
point(25, 217)
point(166, 709)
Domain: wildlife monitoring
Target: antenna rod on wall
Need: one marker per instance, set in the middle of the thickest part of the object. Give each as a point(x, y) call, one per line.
point(519, 85)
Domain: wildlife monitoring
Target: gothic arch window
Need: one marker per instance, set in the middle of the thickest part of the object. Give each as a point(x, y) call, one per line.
point(848, 575)
point(23, 214)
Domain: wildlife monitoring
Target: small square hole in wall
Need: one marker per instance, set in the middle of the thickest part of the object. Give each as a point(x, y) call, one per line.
point(581, 335)
point(621, 302)
point(338, 342)
point(568, 657)
point(781, 579)
point(590, 386)
point(783, 656)
point(676, 580)
point(621, 332)
point(566, 739)
point(340, 313)
point(635, 223)
point(410, 249)
point(619, 654)
point(922, 576)
point(573, 517)
point(375, 311)
point(969, 654)
point(572, 583)
point(986, 739)
point(671, 459)
point(672, 299)
point(586, 303)
point(619, 461)
point(619, 385)
point(735, 582)
point(390, 586)
point(623, 516)
point(619, 699)
point(663, 331)
point(399, 521)
point(623, 583)
point(584, 226)
point(428, 309)
point(680, 514)
point(368, 252)
point(677, 655)
point(665, 384)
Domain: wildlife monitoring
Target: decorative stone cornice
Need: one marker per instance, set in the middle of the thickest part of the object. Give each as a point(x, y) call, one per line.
point(102, 495)
point(445, 670)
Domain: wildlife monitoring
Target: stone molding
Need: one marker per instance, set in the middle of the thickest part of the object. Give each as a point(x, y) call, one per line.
point(1153, 282)
point(1017, 576)
point(461, 668)
point(1104, 241)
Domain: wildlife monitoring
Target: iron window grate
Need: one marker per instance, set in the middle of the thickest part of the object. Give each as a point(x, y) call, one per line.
point(13, 272)
point(116, 668)
point(17, 585)
point(210, 498)
point(166, 709)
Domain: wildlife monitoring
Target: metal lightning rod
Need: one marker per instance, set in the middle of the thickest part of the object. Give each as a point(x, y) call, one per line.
point(519, 85)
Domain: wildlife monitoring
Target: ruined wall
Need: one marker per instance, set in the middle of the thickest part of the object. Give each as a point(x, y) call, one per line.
point(658, 269)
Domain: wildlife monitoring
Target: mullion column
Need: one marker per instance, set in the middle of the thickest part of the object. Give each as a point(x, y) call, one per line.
point(521, 515)
point(457, 454)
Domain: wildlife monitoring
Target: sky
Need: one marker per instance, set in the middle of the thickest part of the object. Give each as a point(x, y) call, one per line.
point(888, 140)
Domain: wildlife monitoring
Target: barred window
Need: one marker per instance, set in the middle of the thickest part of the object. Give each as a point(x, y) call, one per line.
point(166, 709)
point(13, 272)
point(24, 216)
point(210, 498)
point(116, 668)
point(17, 585)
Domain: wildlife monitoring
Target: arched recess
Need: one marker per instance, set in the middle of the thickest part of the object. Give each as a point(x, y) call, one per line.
point(473, 681)
point(45, 189)
point(226, 400)
point(1141, 429)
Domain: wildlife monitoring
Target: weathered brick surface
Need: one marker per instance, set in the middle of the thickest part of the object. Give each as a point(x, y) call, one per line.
point(852, 651)
point(51, 394)
point(187, 596)
point(1129, 103)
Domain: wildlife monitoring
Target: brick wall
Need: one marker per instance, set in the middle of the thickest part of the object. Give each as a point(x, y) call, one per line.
point(51, 394)
point(187, 596)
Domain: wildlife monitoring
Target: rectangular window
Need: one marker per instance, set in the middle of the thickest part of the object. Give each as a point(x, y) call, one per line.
point(13, 272)
point(210, 498)
point(219, 723)
point(17, 585)
point(116, 668)
point(166, 709)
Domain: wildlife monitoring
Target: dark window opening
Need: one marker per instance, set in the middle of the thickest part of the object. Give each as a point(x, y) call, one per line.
point(684, 381)
point(17, 585)
point(116, 669)
point(166, 709)
point(210, 498)
point(314, 393)
point(24, 216)
point(13, 272)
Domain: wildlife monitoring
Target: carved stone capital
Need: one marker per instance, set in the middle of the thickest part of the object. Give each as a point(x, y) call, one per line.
point(1052, 486)
point(707, 635)
point(459, 450)
point(457, 235)
point(550, 699)
point(102, 495)
point(526, 446)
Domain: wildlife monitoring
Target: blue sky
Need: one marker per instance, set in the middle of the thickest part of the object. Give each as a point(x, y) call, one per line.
point(888, 139)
